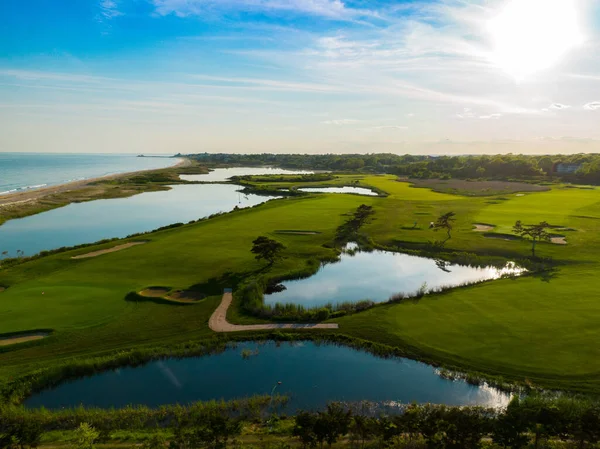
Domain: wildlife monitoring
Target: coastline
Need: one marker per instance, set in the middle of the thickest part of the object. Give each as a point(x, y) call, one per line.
point(21, 204)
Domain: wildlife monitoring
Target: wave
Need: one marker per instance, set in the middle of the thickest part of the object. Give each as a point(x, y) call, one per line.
point(21, 189)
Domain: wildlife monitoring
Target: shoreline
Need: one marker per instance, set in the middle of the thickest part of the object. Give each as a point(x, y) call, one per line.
point(26, 196)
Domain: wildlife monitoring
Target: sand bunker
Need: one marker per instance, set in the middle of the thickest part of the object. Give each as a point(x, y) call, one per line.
point(22, 338)
point(155, 292)
point(558, 240)
point(108, 250)
point(483, 227)
point(186, 296)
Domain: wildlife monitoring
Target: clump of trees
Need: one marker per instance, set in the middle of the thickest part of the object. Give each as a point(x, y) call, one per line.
point(267, 249)
point(536, 233)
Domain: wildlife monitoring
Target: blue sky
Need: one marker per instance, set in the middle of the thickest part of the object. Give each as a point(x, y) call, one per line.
point(166, 76)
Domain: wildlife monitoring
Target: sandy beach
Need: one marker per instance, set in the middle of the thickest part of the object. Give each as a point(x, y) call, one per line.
point(35, 195)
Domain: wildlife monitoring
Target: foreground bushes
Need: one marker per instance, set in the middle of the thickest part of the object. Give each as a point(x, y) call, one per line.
point(531, 421)
point(534, 422)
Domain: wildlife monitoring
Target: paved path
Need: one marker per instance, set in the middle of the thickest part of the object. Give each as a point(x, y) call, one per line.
point(218, 321)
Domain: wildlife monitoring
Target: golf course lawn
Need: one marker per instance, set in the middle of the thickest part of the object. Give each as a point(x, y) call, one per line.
point(542, 330)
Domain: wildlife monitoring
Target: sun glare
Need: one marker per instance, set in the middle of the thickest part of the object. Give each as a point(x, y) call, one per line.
point(533, 35)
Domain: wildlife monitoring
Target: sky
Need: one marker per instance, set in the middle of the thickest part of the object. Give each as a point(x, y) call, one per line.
point(307, 76)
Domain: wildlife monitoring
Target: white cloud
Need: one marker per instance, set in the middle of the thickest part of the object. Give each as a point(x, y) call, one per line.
point(332, 9)
point(593, 106)
point(559, 106)
point(109, 9)
point(343, 121)
point(385, 128)
point(490, 116)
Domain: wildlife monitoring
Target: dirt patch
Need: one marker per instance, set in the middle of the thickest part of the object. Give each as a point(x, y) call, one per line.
point(483, 227)
point(22, 338)
point(558, 240)
point(293, 232)
point(187, 295)
point(476, 188)
point(155, 292)
point(108, 250)
point(2, 289)
point(493, 235)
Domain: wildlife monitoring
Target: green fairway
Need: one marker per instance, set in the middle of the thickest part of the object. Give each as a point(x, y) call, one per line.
point(542, 330)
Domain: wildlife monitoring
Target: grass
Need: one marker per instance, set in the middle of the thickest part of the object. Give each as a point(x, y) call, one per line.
point(543, 331)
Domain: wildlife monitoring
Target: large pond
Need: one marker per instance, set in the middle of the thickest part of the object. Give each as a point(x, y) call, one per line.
point(377, 276)
point(311, 375)
point(96, 220)
point(223, 174)
point(355, 190)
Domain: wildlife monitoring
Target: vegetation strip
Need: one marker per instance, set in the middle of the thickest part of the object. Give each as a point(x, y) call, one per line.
point(218, 321)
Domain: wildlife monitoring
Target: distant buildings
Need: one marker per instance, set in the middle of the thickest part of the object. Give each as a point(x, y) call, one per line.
point(565, 169)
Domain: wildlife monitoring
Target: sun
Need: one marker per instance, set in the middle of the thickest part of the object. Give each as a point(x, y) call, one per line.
point(532, 35)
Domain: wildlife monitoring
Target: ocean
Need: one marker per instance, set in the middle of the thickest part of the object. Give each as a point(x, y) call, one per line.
point(24, 171)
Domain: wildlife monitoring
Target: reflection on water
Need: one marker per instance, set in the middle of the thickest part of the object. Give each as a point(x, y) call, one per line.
point(223, 174)
point(378, 275)
point(355, 190)
point(89, 222)
point(311, 375)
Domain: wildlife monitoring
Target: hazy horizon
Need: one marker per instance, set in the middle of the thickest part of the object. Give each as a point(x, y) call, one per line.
point(440, 77)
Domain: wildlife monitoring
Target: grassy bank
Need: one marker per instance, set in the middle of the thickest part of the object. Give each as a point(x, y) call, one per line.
point(541, 330)
point(116, 186)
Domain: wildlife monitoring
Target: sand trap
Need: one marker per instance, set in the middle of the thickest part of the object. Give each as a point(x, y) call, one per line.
point(22, 338)
point(558, 240)
point(108, 250)
point(482, 227)
point(155, 292)
point(186, 296)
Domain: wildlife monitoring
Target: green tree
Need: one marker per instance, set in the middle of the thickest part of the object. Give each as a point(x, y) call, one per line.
point(268, 249)
point(511, 426)
point(333, 423)
point(304, 429)
point(445, 221)
point(536, 233)
point(85, 436)
point(361, 429)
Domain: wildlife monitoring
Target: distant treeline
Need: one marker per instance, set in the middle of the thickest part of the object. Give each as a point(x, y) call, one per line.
point(584, 167)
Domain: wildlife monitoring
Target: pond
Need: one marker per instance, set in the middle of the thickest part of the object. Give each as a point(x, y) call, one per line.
point(311, 375)
point(223, 174)
point(355, 190)
point(377, 275)
point(96, 220)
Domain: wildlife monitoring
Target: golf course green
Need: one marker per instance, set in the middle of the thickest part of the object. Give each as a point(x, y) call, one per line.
point(537, 329)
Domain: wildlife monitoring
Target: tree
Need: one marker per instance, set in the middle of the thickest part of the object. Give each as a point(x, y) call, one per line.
point(332, 423)
point(445, 221)
point(304, 428)
point(510, 428)
point(536, 233)
point(85, 436)
point(361, 429)
point(268, 249)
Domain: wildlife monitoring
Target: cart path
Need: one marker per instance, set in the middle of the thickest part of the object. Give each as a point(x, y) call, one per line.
point(218, 321)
